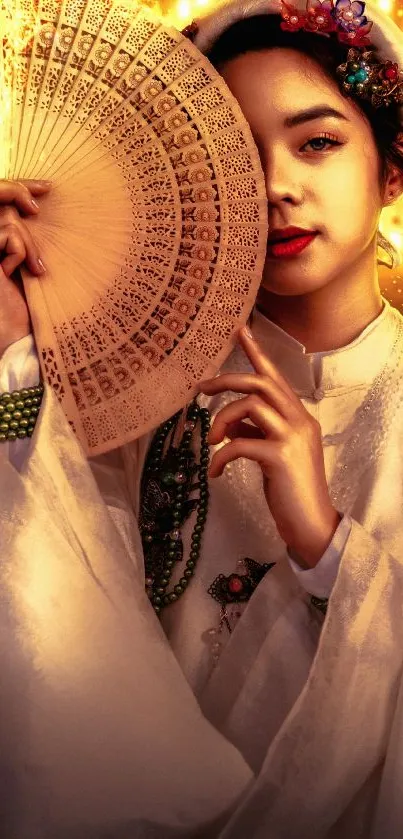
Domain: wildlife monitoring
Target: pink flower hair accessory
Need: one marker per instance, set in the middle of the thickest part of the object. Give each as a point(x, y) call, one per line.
point(325, 16)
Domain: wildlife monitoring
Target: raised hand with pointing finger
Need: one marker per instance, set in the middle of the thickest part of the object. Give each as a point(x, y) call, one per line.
point(286, 443)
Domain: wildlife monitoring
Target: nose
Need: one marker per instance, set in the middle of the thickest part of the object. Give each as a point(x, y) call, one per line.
point(283, 186)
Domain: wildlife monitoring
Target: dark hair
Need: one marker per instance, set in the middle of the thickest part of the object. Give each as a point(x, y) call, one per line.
point(263, 32)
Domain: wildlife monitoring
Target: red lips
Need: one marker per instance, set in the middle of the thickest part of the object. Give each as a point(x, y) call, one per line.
point(288, 233)
point(288, 242)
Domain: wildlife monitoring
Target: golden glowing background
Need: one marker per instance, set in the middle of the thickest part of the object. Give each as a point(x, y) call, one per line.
point(391, 281)
point(181, 12)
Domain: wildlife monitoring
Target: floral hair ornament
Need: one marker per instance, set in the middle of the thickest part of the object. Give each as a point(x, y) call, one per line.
point(363, 74)
point(324, 16)
point(367, 77)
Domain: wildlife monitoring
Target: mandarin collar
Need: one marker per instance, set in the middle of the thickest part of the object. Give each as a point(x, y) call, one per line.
point(313, 375)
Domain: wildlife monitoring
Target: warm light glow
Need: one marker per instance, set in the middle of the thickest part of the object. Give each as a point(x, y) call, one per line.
point(396, 239)
point(385, 6)
point(183, 8)
point(391, 225)
point(182, 12)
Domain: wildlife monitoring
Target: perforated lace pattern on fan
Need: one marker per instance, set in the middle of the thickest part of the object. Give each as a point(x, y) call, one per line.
point(154, 234)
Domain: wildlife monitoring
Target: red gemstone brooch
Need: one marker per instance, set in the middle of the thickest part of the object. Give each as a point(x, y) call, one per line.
point(231, 593)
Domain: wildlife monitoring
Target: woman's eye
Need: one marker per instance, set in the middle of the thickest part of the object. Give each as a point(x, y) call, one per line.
point(322, 143)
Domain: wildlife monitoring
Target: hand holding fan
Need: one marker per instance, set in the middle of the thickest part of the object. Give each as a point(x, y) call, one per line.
point(154, 234)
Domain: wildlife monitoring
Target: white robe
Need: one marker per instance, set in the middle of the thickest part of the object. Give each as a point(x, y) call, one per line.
point(111, 731)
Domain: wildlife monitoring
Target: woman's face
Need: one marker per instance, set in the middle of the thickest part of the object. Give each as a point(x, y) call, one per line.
point(321, 167)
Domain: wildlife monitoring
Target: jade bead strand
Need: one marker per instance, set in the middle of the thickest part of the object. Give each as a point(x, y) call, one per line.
point(18, 413)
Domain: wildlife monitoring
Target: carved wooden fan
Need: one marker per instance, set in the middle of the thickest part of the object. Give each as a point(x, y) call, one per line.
point(154, 234)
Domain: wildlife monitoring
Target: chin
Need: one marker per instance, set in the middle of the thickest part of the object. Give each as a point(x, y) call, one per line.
point(292, 280)
point(287, 287)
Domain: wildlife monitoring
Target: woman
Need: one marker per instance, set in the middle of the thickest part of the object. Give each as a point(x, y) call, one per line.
point(304, 500)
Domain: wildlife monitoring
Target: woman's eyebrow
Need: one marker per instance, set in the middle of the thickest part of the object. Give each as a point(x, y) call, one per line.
point(317, 112)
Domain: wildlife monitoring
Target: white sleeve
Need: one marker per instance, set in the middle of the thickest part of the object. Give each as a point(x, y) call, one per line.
point(346, 718)
point(320, 580)
point(19, 368)
point(19, 365)
point(101, 734)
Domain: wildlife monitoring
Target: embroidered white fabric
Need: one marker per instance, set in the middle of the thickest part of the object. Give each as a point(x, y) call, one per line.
point(307, 703)
point(320, 580)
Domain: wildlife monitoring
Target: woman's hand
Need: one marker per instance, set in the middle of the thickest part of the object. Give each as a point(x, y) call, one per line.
point(286, 443)
point(16, 247)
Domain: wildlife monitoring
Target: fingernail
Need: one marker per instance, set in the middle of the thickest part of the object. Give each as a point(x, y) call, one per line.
point(248, 332)
point(212, 474)
point(34, 203)
point(41, 265)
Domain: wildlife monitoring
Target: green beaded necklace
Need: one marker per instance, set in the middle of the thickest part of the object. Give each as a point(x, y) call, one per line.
point(170, 477)
point(18, 413)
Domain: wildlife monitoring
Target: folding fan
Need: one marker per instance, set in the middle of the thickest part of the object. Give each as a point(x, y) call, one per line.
point(154, 234)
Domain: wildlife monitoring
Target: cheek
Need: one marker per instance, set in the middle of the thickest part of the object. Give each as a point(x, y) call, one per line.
point(353, 202)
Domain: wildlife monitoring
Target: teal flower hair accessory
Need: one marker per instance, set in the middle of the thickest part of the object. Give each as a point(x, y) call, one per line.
point(379, 82)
